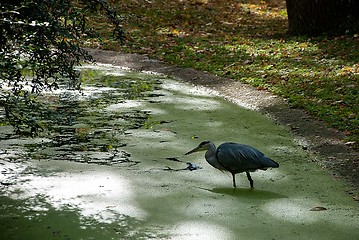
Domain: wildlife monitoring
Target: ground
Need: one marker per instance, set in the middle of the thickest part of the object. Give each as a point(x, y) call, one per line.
point(325, 144)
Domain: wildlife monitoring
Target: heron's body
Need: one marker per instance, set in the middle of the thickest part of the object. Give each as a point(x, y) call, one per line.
point(235, 158)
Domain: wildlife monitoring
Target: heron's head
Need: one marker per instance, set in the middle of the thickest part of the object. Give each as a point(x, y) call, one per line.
point(203, 146)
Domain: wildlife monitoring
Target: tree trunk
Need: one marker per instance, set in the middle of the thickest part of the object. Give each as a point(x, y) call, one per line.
point(322, 16)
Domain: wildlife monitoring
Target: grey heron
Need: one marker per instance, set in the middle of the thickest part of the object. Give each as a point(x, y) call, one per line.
point(235, 158)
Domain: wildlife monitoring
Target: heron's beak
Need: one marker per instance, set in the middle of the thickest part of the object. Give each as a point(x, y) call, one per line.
point(193, 150)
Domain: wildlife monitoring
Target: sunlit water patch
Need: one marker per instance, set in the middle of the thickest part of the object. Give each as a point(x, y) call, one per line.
point(200, 230)
point(99, 195)
point(294, 210)
point(187, 90)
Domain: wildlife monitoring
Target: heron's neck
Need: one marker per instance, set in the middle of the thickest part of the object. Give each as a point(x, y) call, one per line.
point(211, 157)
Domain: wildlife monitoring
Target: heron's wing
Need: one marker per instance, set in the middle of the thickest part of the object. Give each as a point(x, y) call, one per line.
point(237, 157)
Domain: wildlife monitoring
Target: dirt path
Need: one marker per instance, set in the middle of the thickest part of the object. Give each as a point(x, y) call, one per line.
point(314, 136)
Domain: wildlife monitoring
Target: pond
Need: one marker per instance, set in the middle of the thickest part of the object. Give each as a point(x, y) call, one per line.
point(113, 167)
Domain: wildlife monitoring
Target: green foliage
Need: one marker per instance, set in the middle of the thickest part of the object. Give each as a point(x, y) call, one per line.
point(39, 47)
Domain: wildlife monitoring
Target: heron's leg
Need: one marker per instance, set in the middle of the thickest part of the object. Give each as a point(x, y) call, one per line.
point(234, 180)
point(250, 179)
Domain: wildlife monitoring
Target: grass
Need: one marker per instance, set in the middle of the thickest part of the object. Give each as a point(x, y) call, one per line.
point(246, 40)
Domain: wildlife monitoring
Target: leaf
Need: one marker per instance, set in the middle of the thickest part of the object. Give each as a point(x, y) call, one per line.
point(175, 32)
